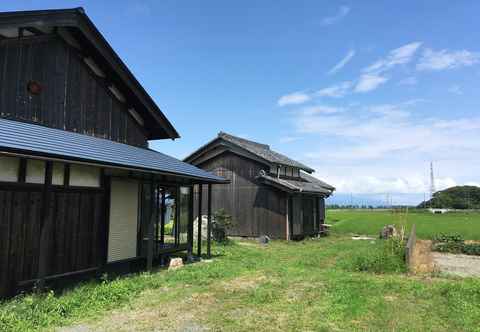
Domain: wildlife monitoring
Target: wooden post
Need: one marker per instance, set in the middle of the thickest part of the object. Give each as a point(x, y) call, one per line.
point(150, 228)
point(177, 217)
point(190, 224)
point(162, 218)
point(209, 222)
point(199, 226)
point(45, 233)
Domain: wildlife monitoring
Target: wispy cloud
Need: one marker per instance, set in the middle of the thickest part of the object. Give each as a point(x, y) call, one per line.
point(444, 59)
point(342, 12)
point(342, 62)
point(294, 98)
point(455, 89)
point(398, 56)
point(335, 91)
point(369, 82)
point(320, 109)
point(412, 80)
point(289, 139)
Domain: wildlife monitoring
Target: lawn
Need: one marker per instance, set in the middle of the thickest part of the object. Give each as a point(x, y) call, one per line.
point(297, 286)
point(370, 222)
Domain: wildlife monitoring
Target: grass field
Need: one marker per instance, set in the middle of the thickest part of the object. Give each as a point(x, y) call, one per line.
point(370, 222)
point(297, 286)
point(312, 285)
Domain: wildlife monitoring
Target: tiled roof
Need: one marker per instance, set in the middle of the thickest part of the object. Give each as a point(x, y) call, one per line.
point(43, 141)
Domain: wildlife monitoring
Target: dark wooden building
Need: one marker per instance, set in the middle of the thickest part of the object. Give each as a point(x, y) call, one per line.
point(80, 191)
point(269, 193)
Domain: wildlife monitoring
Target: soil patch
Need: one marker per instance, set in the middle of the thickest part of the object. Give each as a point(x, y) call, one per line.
point(459, 265)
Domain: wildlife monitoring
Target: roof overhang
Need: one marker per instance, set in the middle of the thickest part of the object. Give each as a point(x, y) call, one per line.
point(24, 139)
point(96, 46)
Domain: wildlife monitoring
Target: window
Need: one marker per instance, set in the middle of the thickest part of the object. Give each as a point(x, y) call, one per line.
point(35, 171)
point(58, 174)
point(296, 172)
point(273, 169)
point(283, 170)
point(9, 169)
point(84, 176)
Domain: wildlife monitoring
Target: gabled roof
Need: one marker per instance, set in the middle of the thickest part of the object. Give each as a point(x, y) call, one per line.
point(34, 140)
point(77, 23)
point(308, 184)
point(261, 151)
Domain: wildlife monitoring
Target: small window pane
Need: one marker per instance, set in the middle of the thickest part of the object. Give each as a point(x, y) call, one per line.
point(58, 174)
point(84, 176)
point(9, 169)
point(35, 171)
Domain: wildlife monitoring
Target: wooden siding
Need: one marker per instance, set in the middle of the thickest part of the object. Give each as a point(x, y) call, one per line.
point(73, 98)
point(78, 233)
point(256, 209)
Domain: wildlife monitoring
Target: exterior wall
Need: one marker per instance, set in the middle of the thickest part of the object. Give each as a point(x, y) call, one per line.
point(72, 97)
point(122, 242)
point(67, 225)
point(256, 209)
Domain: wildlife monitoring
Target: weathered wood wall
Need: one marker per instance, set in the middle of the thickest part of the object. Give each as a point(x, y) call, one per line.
point(77, 243)
point(73, 98)
point(256, 209)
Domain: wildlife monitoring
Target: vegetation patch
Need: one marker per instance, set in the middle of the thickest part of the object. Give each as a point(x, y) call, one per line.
point(455, 244)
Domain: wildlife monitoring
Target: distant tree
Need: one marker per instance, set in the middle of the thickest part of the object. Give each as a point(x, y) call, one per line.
point(459, 197)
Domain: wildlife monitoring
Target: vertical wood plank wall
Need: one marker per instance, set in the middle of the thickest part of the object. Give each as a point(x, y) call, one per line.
point(73, 98)
point(256, 210)
point(76, 243)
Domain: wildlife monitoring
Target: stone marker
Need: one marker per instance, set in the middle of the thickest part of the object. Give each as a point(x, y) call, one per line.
point(263, 239)
point(388, 232)
point(175, 263)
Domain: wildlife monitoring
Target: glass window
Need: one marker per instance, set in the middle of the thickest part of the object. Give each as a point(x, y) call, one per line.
point(35, 171)
point(84, 176)
point(184, 214)
point(9, 169)
point(58, 174)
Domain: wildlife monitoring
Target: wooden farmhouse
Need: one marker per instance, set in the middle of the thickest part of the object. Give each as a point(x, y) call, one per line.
point(80, 191)
point(269, 193)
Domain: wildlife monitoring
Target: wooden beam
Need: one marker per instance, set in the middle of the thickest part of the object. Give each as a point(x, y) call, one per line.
point(157, 215)
point(45, 233)
point(199, 223)
point(22, 170)
point(66, 177)
point(150, 229)
point(35, 31)
point(190, 223)
point(177, 216)
point(162, 218)
point(209, 222)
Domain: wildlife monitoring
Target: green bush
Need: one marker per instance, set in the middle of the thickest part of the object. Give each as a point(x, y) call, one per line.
point(220, 225)
point(388, 256)
point(455, 244)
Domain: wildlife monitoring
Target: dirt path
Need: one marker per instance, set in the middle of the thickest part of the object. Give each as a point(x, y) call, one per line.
point(459, 265)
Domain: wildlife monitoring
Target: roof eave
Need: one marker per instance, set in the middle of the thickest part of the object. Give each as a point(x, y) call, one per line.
point(77, 18)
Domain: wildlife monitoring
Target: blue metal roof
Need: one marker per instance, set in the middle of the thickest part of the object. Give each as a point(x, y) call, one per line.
point(55, 143)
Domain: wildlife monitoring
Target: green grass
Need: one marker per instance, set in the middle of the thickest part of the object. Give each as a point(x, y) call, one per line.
point(311, 285)
point(428, 225)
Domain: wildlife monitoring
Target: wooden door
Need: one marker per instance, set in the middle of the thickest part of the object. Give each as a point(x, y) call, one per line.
point(308, 216)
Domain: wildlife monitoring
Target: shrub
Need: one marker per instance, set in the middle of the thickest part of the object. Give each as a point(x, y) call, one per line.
point(220, 225)
point(455, 244)
point(386, 257)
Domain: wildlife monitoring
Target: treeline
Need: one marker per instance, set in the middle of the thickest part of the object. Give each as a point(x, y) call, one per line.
point(459, 197)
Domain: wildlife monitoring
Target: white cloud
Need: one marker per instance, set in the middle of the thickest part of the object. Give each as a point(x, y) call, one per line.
point(412, 80)
point(444, 59)
point(342, 12)
point(455, 89)
point(293, 99)
point(342, 62)
point(369, 82)
point(320, 109)
point(335, 91)
point(387, 148)
point(398, 56)
point(289, 139)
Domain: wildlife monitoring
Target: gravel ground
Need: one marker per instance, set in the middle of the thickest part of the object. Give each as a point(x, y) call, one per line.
point(460, 265)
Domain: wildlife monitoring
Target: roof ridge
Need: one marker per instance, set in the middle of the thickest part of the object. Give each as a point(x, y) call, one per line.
point(223, 134)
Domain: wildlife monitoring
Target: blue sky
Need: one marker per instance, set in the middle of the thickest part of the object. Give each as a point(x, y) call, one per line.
point(367, 93)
